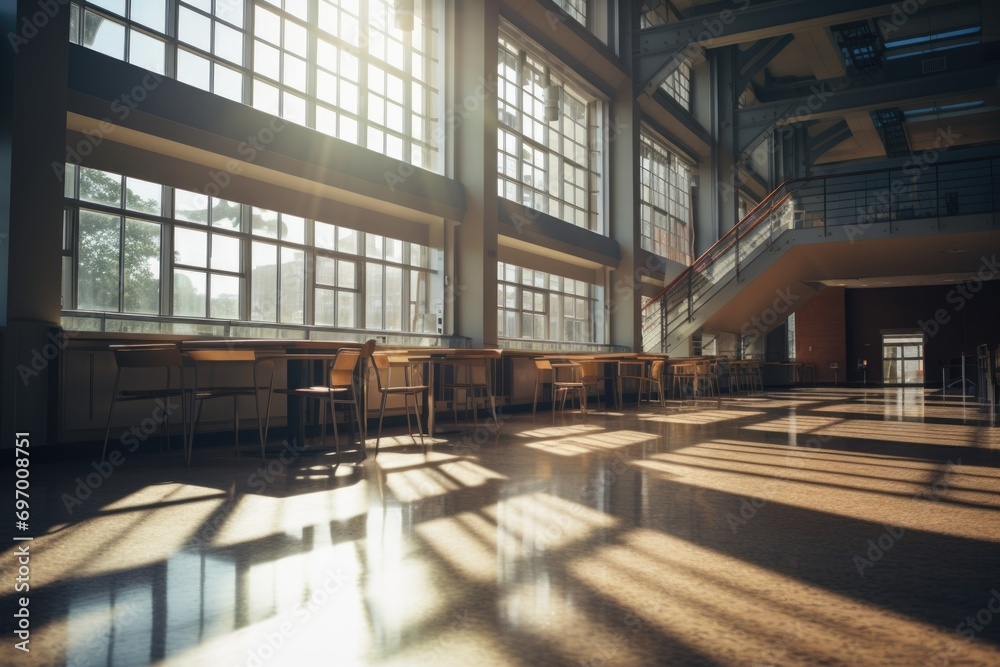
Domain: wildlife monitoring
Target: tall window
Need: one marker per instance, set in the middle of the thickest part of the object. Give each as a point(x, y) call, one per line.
point(135, 247)
point(665, 200)
point(549, 166)
point(678, 84)
point(576, 9)
point(545, 306)
point(338, 66)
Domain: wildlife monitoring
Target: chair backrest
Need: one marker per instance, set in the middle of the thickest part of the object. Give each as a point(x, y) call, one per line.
point(342, 369)
point(380, 360)
point(222, 355)
point(656, 369)
point(543, 365)
point(589, 371)
point(148, 356)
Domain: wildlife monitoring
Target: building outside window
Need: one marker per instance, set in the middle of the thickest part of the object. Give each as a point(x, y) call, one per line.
point(338, 66)
point(549, 166)
point(665, 200)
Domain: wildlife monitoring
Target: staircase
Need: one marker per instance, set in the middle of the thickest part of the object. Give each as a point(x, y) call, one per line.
point(916, 200)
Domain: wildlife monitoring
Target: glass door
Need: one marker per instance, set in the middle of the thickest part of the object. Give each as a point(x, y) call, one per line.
point(903, 358)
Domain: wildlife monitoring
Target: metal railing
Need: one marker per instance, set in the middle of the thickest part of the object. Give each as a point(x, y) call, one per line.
point(915, 191)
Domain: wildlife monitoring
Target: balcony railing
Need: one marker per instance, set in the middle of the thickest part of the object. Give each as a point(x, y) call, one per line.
point(917, 190)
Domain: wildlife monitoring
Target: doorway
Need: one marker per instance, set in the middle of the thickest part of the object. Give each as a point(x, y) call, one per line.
point(903, 358)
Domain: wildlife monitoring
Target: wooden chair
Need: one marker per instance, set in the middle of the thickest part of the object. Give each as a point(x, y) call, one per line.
point(384, 363)
point(654, 377)
point(340, 388)
point(560, 388)
point(145, 360)
point(472, 377)
point(227, 361)
point(591, 377)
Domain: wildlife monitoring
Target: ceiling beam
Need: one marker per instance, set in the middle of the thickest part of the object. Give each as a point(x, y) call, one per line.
point(823, 99)
point(756, 58)
point(740, 21)
point(827, 139)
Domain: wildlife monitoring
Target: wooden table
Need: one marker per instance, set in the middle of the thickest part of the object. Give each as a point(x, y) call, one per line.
point(429, 358)
point(300, 353)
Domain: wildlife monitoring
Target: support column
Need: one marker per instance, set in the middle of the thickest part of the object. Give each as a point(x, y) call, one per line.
point(623, 220)
point(724, 155)
point(32, 139)
point(474, 124)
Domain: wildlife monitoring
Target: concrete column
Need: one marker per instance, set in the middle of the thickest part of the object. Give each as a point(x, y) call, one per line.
point(724, 155)
point(474, 127)
point(32, 139)
point(623, 219)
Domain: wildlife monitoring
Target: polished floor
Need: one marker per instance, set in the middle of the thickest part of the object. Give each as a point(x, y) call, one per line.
point(822, 526)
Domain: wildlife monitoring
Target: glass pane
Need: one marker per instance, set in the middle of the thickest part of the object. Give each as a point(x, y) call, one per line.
point(325, 236)
point(293, 229)
point(228, 83)
point(225, 297)
point(393, 298)
point(266, 60)
point(146, 52)
point(326, 307)
point(346, 308)
point(189, 293)
point(296, 38)
point(373, 296)
point(143, 196)
point(292, 286)
point(267, 25)
point(230, 10)
point(225, 214)
point(116, 6)
point(393, 250)
point(97, 273)
point(266, 97)
point(190, 247)
point(265, 223)
point(194, 28)
point(347, 240)
point(151, 13)
point(373, 246)
point(345, 274)
point(225, 253)
point(104, 35)
point(142, 267)
point(193, 70)
point(66, 300)
point(228, 43)
point(264, 282)
point(326, 271)
point(100, 187)
point(190, 206)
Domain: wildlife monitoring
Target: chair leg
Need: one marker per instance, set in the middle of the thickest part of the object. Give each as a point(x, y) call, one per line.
point(420, 426)
point(333, 418)
point(236, 423)
point(111, 410)
point(381, 413)
point(361, 433)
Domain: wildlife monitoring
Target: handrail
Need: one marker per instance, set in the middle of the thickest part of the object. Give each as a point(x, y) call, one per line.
point(754, 217)
point(708, 256)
